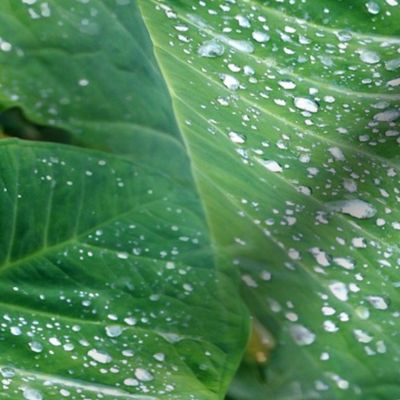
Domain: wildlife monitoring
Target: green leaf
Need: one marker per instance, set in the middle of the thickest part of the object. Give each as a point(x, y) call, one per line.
point(84, 67)
point(84, 73)
point(290, 111)
point(108, 285)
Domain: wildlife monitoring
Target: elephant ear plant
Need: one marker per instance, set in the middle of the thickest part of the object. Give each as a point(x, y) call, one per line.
point(199, 199)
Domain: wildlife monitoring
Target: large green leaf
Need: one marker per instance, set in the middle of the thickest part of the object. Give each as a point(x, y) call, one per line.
point(87, 237)
point(290, 112)
point(108, 285)
point(86, 67)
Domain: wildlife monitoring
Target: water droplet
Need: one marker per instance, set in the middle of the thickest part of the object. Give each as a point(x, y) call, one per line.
point(306, 104)
point(237, 137)
point(15, 330)
point(36, 347)
point(99, 356)
point(113, 331)
point(230, 82)
point(271, 165)
point(362, 336)
point(373, 8)
point(387, 116)
point(260, 36)
point(369, 57)
point(211, 49)
point(32, 394)
point(339, 290)
point(344, 36)
point(337, 153)
point(143, 375)
point(378, 302)
point(288, 85)
point(356, 208)
point(301, 335)
point(345, 262)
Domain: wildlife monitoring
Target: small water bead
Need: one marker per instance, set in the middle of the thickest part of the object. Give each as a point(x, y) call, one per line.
point(271, 165)
point(260, 36)
point(369, 57)
point(113, 331)
point(362, 336)
point(356, 208)
point(211, 49)
point(344, 36)
point(243, 21)
point(243, 46)
point(387, 116)
point(345, 262)
point(339, 290)
point(236, 138)
point(330, 326)
point(394, 82)
point(302, 335)
point(143, 375)
point(32, 394)
point(288, 85)
point(392, 65)
point(373, 8)
point(306, 104)
point(7, 372)
point(159, 357)
point(15, 330)
point(378, 302)
point(36, 347)
point(337, 153)
point(321, 257)
point(230, 82)
point(99, 356)
point(131, 382)
point(55, 341)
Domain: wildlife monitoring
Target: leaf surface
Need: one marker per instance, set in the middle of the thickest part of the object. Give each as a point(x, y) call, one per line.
point(290, 111)
point(108, 284)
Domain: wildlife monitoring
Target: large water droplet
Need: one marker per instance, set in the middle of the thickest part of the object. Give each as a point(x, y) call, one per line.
point(305, 104)
point(378, 302)
point(339, 290)
point(211, 49)
point(369, 57)
point(260, 36)
point(356, 208)
point(143, 375)
point(230, 82)
point(373, 8)
point(271, 165)
point(301, 335)
point(32, 394)
point(113, 331)
point(99, 356)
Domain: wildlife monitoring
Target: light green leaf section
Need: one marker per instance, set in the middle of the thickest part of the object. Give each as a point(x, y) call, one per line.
point(290, 111)
point(108, 285)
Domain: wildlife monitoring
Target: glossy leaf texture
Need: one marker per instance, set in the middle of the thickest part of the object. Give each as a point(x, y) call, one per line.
point(109, 286)
point(290, 111)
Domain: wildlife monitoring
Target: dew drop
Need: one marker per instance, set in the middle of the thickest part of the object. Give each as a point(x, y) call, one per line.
point(211, 49)
point(99, 356)
point(230, 82)
point(260, 37)
point(113, 331)
point(369, 57)
point(32, 394)
point(356, 208)
point(143, 375)
point(378, 302)
point(306, 104)
point(301, 335)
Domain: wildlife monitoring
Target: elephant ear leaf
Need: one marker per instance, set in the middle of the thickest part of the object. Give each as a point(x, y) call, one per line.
point(108, 286)
point(290, 110)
